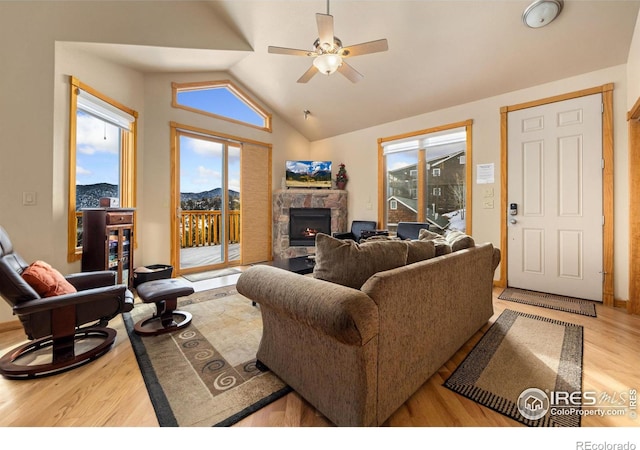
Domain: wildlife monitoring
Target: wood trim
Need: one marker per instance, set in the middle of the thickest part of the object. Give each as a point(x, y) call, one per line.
point(633, 123)
point(469, 179)
point(382, 169)
point(559, 98)
point(73, 252)
point(422, 169)
point(174, 168)
point(607, 195)
point(175, 87)
point(607, 180)
point(464, 123)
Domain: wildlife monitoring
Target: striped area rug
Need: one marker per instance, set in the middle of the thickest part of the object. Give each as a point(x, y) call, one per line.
point(551, 301)
point(518, 361)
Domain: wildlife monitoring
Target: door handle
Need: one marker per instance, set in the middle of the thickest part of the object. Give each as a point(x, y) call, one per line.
point(513, 221)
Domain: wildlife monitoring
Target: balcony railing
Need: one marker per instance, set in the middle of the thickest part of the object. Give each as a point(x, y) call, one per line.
point(203, 228)
point(197, 228)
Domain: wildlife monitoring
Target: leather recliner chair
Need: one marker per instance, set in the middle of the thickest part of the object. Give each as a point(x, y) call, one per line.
point(53, 324)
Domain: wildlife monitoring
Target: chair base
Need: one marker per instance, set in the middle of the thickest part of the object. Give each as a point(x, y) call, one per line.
point(159, 324)
point(63, 357)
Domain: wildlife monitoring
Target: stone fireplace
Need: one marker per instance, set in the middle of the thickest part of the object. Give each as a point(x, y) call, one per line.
point(315, 202)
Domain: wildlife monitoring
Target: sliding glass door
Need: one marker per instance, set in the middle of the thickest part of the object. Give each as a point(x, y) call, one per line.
point(208, 217)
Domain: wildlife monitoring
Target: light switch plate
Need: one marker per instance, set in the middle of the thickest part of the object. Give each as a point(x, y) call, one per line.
point(29, 198)
point(487, 204)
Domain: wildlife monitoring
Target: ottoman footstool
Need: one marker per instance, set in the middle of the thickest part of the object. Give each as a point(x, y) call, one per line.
point(164, 293)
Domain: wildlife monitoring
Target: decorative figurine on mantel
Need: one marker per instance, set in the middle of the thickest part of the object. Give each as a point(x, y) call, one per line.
point(341, 177)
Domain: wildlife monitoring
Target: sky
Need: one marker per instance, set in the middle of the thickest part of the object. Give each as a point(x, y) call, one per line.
point(201, 166)
point(220, 101)
point(97, 151)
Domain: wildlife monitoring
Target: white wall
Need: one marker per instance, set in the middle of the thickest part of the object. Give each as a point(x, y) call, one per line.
point(633, 68)
point(358, 150)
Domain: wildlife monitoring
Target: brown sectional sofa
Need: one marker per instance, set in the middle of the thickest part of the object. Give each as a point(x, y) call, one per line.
point(359, 354)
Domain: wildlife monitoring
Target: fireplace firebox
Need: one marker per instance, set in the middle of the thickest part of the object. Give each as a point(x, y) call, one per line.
point(306, 223)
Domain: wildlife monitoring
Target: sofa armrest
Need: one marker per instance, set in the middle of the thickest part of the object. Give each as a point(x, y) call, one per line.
point(343, 313)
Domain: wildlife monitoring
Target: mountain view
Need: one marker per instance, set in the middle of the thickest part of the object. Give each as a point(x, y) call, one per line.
point(88, 196)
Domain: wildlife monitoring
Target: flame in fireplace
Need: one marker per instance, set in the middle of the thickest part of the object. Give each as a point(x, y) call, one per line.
point(309, 232)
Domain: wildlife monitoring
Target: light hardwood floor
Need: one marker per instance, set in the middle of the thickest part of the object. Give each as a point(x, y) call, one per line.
point(110, 391)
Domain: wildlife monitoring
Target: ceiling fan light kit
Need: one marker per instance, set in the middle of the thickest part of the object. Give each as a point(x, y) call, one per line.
point(542, 12)
point(329, 54)
point(327, 63)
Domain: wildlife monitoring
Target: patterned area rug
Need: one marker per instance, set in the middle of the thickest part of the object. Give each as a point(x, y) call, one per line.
point(205, 373)
point(551, 301)
point(519, 360)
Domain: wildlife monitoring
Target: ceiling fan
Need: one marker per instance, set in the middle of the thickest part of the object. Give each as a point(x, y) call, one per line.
point(328, 52)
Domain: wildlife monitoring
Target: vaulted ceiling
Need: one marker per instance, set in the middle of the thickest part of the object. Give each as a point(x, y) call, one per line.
point(441, 54)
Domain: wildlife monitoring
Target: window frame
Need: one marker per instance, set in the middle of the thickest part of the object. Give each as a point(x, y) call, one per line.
point(382, 170)
point(242, 96)
point(127, 168)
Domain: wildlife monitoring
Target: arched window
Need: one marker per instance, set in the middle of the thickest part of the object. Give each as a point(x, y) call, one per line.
point(222, 100)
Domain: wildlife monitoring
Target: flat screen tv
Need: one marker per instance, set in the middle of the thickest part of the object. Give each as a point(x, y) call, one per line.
point(308, 174)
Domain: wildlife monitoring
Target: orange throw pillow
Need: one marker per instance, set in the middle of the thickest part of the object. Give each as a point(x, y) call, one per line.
point(46, 280)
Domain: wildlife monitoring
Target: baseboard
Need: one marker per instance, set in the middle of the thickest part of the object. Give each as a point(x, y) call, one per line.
point(9, 326)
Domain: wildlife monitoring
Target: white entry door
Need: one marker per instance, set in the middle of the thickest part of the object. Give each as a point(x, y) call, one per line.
point(555, 189)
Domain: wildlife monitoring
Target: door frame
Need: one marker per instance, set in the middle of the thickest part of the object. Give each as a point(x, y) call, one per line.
point(174, 202)
point(607, 180)
point(633, 119)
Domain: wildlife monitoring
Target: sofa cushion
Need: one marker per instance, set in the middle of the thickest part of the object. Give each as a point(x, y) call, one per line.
point(46, 280)
point(458, 240)
point(350, 264)
point(442, 246)
point(420, 250)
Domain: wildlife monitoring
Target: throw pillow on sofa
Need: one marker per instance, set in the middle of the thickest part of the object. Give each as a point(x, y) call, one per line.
point(442, 246)
point(417, 250)
point(458, 240)
point(420, 250)
point(350, 264)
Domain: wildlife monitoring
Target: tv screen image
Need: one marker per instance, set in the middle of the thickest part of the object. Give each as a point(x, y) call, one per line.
point(308, 174)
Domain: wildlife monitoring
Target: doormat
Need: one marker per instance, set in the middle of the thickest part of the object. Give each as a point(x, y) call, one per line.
point(205, 374)
point(201, 276)
point(550, 301)
point(520, 359)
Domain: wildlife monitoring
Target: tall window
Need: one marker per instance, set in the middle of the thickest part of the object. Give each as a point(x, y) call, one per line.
point(101, 156)
point(426, 179)
point(222, 100)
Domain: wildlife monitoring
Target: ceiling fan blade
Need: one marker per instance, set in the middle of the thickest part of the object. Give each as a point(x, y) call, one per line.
point(352, 74)
point(325, 28)
point(365, 48)
point(308, 74)
point(290, 51)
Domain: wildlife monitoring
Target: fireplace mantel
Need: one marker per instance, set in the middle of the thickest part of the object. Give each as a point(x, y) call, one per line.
point(284, 199)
